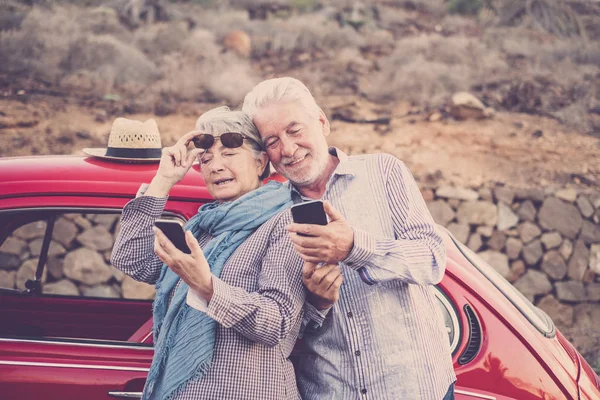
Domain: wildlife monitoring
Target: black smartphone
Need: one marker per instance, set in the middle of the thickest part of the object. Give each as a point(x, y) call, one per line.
point(173, 229)
point(309, 212)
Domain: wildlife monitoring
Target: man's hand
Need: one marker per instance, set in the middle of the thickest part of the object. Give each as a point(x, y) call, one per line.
point(330, 243)
point(193, 268)
point(175, 162)
point(323, 284)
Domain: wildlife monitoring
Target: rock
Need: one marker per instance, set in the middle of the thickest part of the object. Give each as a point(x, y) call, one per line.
point(86, 266)
point(595, 200)
point(9, 261)
point(64, 231)
point(118, 275)
point(566, 249)
point(563, 217)
point(26, 272)
point(579, 261)
point(79, 220)
point(106, 220)
point(561, 314)
point(504, 195)
point(485, 231)
point(568, 194)
point(517, 268)
point(528, 231)
point(13, 245)
point(427, 195)
point(497, 260)
point(590, 233)
point(497, 241)
point(554, 265)
point(239, 42)
point(460, 231)
point(96, 238)
point(7, 279)
point(533, 283)
point(595, 258)
point(585, 207)
point(104, 291)
point(133, 289)
point(63, 287)
point(54, 265)
point(506, 217)
point(596, 217)
point(570, 291)
point(583, 334)
point(475, 242)
point(527, 211)
point(466, 106)
point(478, 213)
point(536, 195)
point(513, 248)
point(441, 212)
point(55, 248)
point(593, 291)
point(31, 231)
point(486, 194)
point(454, 203)
point(512, 232)
point(434, 116)
point(532, 252)
point(551, 240)
point(450, 192)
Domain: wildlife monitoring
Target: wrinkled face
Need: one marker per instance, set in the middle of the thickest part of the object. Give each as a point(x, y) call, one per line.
point(295, 141)
point(231, 173)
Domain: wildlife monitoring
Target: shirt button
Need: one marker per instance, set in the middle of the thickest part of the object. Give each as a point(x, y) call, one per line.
point(350, 314)
point(363, 391)
point(357, 352)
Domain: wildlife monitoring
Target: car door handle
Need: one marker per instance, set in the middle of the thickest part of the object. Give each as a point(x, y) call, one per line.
point(126, 395)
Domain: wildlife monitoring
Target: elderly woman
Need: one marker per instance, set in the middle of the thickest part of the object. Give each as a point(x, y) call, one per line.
point(226, 316)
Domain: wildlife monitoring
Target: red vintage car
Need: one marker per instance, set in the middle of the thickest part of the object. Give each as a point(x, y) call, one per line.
point(94, 345)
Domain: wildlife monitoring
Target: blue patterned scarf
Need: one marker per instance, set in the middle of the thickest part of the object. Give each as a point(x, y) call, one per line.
point(184, 338)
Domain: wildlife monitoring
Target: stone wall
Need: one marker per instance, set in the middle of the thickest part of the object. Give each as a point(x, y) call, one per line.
point(545, 241)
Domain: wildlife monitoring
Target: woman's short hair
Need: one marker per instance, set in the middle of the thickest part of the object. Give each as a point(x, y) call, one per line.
point(222, 119)
point(280, 90)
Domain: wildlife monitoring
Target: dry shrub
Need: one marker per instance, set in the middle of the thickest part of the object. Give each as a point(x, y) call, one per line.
point(427, 69)
point(43, 41)
point(159, 39)
point(110, 59)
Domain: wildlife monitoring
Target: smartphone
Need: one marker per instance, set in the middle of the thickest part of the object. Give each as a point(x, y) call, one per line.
point(309, 212)
point(173, 229)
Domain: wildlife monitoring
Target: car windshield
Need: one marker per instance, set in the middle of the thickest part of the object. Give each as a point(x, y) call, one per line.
point(537, 317)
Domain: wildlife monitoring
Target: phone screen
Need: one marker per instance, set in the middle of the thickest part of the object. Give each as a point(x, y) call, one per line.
point(310, 212)
point(173, 230)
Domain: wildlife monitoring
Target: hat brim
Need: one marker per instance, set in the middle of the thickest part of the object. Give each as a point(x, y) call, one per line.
point(101, 153)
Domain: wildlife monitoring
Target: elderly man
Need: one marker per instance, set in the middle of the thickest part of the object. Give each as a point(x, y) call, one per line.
point(380, 335)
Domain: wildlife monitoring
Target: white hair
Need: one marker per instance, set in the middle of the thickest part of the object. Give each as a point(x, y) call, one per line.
point(280, 90)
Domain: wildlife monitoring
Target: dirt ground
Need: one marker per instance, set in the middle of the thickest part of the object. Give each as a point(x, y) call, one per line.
point(515, 149)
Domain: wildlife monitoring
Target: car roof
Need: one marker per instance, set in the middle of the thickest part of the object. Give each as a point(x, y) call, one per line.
point(86, 175)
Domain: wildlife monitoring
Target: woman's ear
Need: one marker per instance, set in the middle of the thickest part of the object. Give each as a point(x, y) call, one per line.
point(261, 162)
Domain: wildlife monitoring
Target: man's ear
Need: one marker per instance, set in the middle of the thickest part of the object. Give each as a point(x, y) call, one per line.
point(324, 123)
point(261, 162)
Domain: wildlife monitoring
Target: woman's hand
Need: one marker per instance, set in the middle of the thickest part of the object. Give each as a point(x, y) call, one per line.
point(193, 268)
point(175, 162)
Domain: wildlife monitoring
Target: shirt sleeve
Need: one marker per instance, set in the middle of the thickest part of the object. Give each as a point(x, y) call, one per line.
point(267, 315)
point(417, 254)
point(133, 251)
point(312, 319)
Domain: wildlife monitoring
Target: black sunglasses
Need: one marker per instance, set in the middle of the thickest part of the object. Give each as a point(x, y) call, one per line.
point(228, 139)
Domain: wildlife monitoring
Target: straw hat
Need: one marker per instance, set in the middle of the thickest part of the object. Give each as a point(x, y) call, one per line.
point(131, 141)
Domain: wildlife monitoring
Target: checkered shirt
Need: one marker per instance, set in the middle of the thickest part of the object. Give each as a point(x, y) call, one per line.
point(257, 302)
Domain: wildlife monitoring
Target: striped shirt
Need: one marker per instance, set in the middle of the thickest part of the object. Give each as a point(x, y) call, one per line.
point(385, 338)
point(257, 302)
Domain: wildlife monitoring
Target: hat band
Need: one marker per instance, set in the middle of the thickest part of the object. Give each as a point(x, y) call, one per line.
point(133, 153)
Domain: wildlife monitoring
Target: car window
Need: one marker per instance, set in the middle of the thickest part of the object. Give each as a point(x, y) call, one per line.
point(77, 260)
point(537, 317)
